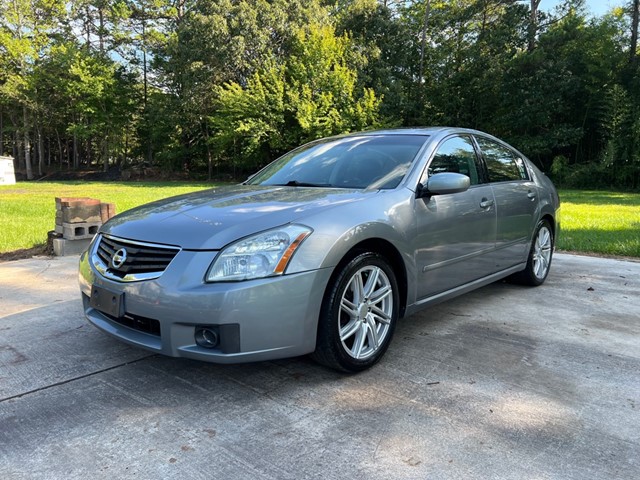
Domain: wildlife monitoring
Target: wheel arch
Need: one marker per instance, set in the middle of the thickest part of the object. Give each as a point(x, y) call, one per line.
point(549, 218)
point(387, 250)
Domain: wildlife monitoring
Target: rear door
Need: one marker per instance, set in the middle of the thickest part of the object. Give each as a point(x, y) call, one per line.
point(516, 199)
point(455, 232)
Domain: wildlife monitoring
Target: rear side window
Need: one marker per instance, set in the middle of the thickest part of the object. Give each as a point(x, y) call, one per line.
point(456, 155)
point(502, 163)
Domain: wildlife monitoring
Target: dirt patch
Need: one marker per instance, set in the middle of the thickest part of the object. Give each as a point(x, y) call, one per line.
point(38, 250)
point(85, 175)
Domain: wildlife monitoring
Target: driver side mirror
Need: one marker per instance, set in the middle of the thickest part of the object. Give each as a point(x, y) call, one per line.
point(443, 184)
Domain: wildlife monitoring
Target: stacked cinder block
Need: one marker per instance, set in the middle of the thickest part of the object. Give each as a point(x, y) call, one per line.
point(78, 218)
point(77, 221)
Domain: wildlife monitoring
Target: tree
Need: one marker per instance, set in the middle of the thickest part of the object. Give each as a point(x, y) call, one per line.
point(195, 84)
point(213, 42)
point(383, 49)
point(313, 94)
point(26, 32)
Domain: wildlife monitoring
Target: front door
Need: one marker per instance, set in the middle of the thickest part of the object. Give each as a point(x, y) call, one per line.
point(456, 233)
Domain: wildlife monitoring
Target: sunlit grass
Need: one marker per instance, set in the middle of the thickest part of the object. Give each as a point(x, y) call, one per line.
point(592, 222)
point(600, 222)
point(27, 210)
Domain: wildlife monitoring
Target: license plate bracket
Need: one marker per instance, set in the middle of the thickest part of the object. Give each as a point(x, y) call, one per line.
point(106, 301)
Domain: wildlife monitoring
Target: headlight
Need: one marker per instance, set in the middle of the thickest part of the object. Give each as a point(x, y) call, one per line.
point(262, 255)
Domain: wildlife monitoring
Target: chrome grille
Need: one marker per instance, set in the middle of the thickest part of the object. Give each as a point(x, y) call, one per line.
point(140, 261)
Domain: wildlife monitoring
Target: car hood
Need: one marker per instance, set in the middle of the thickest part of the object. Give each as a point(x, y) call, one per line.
point(211, 219)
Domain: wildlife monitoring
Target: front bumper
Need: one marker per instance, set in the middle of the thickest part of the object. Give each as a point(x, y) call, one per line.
point(257, 320)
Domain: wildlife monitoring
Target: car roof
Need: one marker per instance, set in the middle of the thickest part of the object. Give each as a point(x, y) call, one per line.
point(403, 131)
point(417, 131)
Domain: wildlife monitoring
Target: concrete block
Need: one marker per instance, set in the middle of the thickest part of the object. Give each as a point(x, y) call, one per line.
point(75, 202)
point(79, 231)
point(51, 234)
point(107, 210)
point(77, 210)
point(63, 247)
point(78, 214)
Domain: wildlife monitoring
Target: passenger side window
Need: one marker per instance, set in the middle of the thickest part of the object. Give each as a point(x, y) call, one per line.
point(502, 164)
point(456, 155)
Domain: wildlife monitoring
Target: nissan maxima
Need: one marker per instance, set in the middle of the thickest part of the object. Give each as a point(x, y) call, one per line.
point(324, 250)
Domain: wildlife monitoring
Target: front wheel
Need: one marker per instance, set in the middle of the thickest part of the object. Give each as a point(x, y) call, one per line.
point(539, 260)
point(358, 314)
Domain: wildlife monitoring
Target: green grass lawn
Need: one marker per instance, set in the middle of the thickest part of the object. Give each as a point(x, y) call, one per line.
point(592, 222)
point(600, 222)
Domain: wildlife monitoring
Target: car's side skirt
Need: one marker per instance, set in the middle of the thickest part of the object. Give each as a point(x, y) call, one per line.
point(462, 289)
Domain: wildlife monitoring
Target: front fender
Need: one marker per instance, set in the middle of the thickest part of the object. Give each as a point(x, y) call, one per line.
point(341, 234)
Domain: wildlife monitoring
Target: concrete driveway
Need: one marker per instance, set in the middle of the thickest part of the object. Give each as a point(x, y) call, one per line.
point(505, 382)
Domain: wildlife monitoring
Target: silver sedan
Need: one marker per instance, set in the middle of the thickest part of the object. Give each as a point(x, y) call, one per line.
point(323, 250)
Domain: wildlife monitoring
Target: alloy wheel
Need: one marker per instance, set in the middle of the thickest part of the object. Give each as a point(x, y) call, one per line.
point(366, 308)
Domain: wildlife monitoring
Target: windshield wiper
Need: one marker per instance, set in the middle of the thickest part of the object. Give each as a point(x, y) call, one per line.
point(296, 183)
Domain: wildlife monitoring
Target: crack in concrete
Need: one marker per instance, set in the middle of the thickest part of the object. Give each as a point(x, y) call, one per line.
point(80, 377)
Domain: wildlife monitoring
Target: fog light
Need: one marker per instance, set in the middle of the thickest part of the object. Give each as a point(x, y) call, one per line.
point(207, 337)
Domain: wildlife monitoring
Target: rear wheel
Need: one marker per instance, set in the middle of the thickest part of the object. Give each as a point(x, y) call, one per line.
point(539, 261)
point(358, 315)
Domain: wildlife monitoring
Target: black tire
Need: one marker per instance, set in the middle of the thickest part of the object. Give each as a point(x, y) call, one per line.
point(354, 328)
point(540, 256)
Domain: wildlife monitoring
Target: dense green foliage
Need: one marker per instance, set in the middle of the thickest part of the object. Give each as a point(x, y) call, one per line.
point(223, 86)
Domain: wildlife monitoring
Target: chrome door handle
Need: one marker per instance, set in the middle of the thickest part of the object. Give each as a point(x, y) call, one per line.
point(485, 203)
point(531, 195)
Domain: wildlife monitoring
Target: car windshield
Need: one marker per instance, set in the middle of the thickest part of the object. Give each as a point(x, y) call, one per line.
point(364, 161)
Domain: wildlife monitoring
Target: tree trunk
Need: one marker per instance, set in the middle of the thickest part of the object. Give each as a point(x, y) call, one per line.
point(533, 25)
point(27, 144)
point(209, 158)
point(123, 162)
point(105, 155)
point(89, 152)
point(144, 67)
point(101, 29)
point(17, 150)
point(427, 10)
point(87, 25)
point(145, 93)
point(40, 151)
point(635, 14)
point(76, 162)
point(59, 147)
